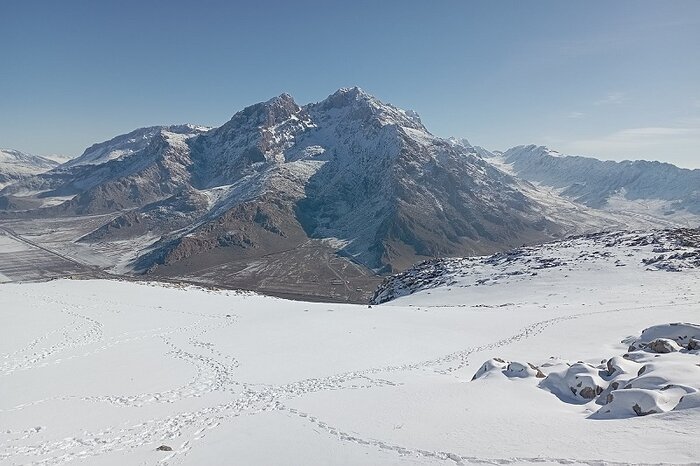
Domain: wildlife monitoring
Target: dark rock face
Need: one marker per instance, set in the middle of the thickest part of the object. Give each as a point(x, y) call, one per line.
point(662, 345)
point(638, 410)
point(588, 393)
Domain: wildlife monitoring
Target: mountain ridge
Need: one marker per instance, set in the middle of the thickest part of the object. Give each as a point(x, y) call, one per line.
point(325, 194)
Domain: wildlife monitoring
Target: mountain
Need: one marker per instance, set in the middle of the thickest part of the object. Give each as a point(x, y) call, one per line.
point(365, 175)
point(317, 200)
point(126, 172)
point(16, 165)
point(361, 186)
point(127, 144)
point(59, 158)
point(600, 184)
point(465, 144)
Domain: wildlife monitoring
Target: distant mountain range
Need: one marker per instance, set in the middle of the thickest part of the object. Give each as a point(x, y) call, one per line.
point(594, 182)
point(16, 165)
point(284, 196)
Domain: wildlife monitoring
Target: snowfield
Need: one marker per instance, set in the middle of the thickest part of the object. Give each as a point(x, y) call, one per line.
point(112, 372)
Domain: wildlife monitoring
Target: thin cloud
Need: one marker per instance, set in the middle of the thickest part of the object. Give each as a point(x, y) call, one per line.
point(575, 115)
point(611, 99)
point(677, 144)
point(653, 132)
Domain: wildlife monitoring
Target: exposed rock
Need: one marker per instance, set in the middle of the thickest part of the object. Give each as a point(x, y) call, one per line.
point(663, 345)
point(589, 393)
point(637, 409)
point(538, 373)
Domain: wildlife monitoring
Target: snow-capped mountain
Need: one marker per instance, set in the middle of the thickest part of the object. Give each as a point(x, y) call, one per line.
point(350, 174)
point(16, 165)
point(602, 184)
point(126, 172)
point(287, 191)
point(127, 144)
point(365, 174)
point(481, 151)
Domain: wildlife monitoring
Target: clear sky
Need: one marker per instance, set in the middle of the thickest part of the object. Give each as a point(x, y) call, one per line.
point(612, 79)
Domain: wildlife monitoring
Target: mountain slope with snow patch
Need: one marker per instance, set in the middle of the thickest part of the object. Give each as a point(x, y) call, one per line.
point(596, 183)
point(16, 165)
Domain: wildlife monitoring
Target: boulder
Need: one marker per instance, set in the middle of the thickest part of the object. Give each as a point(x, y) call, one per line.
point(663, 345)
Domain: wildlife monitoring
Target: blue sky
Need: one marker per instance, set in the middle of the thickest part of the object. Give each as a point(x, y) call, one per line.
point(617, 80)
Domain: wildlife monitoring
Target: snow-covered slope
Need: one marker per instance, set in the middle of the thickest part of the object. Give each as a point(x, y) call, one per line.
point(601, 184)
point(127, 144)
point(480, 151)
point(142, 373)
point(671, 250)
point(135, 171)
point(15, 165)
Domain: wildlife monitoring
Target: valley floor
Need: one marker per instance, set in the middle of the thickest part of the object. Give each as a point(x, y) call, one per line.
point(104, 372)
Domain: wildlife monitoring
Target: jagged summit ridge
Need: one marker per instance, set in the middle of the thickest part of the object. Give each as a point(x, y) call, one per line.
point(361, 105)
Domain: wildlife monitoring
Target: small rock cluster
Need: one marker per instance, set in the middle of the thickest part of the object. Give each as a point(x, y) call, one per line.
point(659, 373)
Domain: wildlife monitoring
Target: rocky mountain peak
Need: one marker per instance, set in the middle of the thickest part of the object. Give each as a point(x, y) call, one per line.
point(347, 96)
point(353, 103)
point(265, 114)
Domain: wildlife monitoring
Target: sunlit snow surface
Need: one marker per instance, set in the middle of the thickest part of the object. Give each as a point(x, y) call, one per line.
point(105, 372)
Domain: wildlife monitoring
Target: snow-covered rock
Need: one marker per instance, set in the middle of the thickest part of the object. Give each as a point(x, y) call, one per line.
point(679, 333)
point(507, 368)
point(657, 377)
point(663, 345)
point(578, 382)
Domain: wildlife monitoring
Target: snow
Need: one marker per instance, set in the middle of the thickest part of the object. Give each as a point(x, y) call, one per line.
point(127, 144)
point(104, 372)
point(15, 165)
point(652, 190)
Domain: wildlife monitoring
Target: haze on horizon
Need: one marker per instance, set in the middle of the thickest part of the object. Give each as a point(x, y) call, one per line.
point(611, 80)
